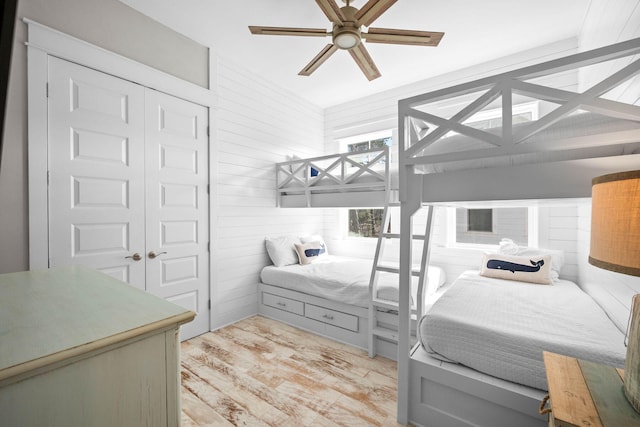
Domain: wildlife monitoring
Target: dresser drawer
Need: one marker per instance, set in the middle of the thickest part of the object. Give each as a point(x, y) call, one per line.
point(332, 317)
point(283, 303)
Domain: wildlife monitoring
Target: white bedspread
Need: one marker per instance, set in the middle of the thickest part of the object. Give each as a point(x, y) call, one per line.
point(339, 279)
point(500, 327)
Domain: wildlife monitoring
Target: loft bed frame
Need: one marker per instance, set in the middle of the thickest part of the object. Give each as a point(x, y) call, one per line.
point(529, 162)
point(356, 179)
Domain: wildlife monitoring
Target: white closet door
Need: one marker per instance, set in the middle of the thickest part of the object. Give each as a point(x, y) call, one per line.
point(177, 205)
point(96, 171)
point(128, 185)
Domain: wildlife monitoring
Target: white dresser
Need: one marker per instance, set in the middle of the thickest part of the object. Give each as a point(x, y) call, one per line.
point(80, 348)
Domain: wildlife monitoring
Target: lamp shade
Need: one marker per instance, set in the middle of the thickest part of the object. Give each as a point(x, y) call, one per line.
point(615, 245)
point(615, 222)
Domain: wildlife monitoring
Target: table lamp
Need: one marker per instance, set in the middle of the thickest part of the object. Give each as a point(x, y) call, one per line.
point(615, 246)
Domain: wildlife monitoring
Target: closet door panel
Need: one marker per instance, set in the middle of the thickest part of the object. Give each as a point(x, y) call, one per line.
point(177, 205)
point(96, 171)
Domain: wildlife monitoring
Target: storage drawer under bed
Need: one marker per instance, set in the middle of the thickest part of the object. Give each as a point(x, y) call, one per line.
point(282, 303)
point(332, 317)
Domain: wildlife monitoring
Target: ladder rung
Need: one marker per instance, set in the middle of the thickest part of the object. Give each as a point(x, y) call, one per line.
point(380, 303)
point(397, 236)
point(395, 270)
point(385, 333)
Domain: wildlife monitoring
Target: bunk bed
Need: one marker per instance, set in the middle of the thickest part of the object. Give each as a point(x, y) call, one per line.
point(355, 179)
point(350, 300)
point(445, 158)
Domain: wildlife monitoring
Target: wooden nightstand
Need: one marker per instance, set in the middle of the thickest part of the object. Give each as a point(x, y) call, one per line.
point(586, 394)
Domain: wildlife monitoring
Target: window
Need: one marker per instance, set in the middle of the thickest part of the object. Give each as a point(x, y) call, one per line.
point(487, 226)
point(480, 220)
point(365, 222)
point(368, 145)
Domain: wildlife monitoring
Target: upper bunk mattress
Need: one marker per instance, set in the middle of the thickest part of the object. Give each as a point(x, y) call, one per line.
point(501, 327)
point(339, 279)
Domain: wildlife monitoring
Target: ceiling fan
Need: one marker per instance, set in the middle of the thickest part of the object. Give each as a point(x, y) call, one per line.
point(347, 34)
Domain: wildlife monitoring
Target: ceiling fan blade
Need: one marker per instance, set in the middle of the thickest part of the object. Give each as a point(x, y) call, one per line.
point(387, 35)
point(372, 10)
point(318, 60)
point(331, 9)
point(289, 31)
point(364, 61)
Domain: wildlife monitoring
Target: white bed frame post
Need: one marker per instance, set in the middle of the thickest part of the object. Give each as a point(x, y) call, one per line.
point(409, 204)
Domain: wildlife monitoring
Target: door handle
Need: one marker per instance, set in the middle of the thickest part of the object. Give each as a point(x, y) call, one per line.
point(135, 257)
point(153, 255)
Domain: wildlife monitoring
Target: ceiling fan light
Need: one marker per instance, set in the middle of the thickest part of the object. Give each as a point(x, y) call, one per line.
point(346, 40)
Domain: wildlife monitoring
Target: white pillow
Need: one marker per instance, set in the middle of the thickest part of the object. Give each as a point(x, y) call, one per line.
point(315, 238)
point(509, 247)
point(522, 269)
point(281, 250)
point(310, 252)
point(436, 275)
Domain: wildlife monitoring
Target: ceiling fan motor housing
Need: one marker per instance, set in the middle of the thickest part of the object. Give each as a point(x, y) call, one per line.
point(347, 36)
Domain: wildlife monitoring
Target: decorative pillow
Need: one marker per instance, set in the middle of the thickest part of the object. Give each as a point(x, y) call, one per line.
point(310, 252)
point(509, 247)
point(315, 238)
point(281, 250)
point(522, 269)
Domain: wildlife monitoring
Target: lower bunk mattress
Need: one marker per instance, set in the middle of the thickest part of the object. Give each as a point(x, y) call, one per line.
point(341, 279)
point(501, 327)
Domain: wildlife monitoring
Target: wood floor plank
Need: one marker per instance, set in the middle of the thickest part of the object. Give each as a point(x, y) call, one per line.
point(245, 390)
point(262, 372)
point(195, 409)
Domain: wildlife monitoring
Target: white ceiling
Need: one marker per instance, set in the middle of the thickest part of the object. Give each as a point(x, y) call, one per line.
point(475, 32)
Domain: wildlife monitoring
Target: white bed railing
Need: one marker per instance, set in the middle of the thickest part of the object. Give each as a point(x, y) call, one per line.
point(362, 171)
point(424, 128)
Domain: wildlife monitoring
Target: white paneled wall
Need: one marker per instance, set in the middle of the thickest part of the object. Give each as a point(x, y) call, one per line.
point(608, 22)
point(255, 125)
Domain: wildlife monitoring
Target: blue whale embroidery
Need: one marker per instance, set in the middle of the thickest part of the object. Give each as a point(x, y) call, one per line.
point(314, 252)
point(513, 267)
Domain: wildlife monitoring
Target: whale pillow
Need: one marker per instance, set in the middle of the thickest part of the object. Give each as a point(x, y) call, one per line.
point(531, 269)
point(310, 252)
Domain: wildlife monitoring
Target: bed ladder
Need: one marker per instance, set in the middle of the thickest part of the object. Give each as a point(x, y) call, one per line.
point(377, 306)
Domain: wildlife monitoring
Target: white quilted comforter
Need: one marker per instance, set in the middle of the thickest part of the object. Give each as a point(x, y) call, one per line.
point(500, 327)
point(340, 279)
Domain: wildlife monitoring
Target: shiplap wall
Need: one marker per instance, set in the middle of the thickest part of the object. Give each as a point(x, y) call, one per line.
point(608, 22)
point(255, 125)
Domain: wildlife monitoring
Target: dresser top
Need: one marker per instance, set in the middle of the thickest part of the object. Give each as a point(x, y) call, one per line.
point(51, 315)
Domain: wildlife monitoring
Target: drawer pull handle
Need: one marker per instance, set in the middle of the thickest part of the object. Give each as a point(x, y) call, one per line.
point(281, 304)
point(544, 402)
point(327, 316)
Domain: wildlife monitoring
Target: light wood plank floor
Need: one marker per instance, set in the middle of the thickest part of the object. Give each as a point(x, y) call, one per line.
point(260, 372)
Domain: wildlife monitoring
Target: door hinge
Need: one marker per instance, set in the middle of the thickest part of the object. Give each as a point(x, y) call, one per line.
point(208, 246)
point(46, 89)
point(208, 134)
point(209, 304)
point(48, 177)
point(208, 189)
